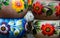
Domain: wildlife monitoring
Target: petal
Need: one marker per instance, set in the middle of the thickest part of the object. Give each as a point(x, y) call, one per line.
point(43, 32)
point(42, 27)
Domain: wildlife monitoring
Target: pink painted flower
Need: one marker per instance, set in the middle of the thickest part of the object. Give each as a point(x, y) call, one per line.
point(4, 29)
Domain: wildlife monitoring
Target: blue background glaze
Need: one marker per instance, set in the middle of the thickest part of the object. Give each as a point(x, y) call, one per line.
point(11, 34)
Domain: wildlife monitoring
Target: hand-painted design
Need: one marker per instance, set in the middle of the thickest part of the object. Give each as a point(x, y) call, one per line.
point(4, 28)
point(0, 4)
point(37, 25)
point(18, 5)
point(5, 2)
point(12, 27)
point(37, 8)
point(11, 23)
point(19, 22)
point(49, 12)
point(48, 29)
point(51, 9)
point(16, 32)
point(57, 10)
point(30, 2)
point(29, 16)
point(17, 26)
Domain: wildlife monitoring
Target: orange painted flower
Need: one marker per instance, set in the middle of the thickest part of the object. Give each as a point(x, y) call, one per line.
point(48, 29)
point(37, 8)
point(58, 10)
point(29, 2)
point(18, 5)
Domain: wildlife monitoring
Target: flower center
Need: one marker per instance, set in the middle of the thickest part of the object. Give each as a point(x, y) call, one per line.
point(48, 29)
point(16, 33)
point(37, 8)
point(3, 28)
point(18, 4)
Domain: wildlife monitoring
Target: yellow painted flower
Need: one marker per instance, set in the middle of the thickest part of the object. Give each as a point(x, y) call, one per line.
point(18, 5)
point(29, 2)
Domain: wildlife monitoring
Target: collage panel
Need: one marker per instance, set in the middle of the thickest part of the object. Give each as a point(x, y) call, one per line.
point(29, 18)
point(18, 27)
point(47, 28)
point(12, 28)
point(43, 10)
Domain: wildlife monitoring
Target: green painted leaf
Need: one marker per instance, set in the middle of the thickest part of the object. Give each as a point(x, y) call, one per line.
point(6, 3)
point(59, 33)
point(44, 10)
point(34, 31)
point(43, 3)
point(52, 4)
point(0, 6)
point(5, 0)
point(49, 12)
point(38, 30)
point(55, 32)
point(53, 9)
point(23, 0)
point(26, 6)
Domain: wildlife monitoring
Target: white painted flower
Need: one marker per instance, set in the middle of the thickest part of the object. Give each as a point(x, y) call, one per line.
point(19, 22)
point(12, 29)
point(29, 16)
point(3, 28)
point(11, 23)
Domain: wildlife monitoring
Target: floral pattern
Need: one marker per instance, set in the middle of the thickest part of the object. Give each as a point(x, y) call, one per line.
point(12, 27)
point(5, 2)
point(17, 26)
point(18, 5)
point(48, 29)
point(29, 16)
point(57, 10)
point(37, 8)
point(4, 29)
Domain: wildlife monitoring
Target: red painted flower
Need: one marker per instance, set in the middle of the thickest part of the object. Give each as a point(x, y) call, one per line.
point(48, 29)
point(58, 10)
point(37, 8)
